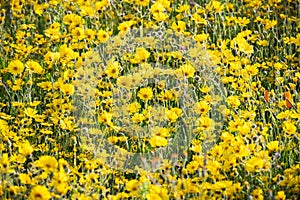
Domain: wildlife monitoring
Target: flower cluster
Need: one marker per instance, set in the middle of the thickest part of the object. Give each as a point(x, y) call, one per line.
point(209, 98)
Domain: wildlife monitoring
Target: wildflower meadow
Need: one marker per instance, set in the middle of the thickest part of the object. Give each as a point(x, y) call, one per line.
point(149, 99)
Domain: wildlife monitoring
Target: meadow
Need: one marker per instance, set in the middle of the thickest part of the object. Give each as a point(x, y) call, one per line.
point(140, 99)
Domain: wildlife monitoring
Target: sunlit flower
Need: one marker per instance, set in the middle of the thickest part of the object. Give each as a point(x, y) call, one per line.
point(254, 164)
point(215, 6)
point(257, 194)
point(25, 179)
point(157, 8)
point(158, 141)
point(133, 107)
point(142, 2)
point(173, 114)
point(179, 27)
point(202, 107)
point(102, 36)
point(67, 89)
point(160, 16)
point(289, 127)
point(132, 186)
point(47, 163)
point(15, 67)
point(124, 26)
point(39, 192)
point(145, 94)
point(186, 70)
point(273, 146)
point(34, 67)
point(30, 112)
point(281, 195)
point(25, 148)
point(233, 101)
point(137, 118)
point(113, 69)
point(140, 55)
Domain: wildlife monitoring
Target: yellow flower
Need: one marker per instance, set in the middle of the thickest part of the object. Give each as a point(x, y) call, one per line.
point(100, 5)
point(257, 194)
point(280, 195)
point(157, 141)
point(198, 19)
point(142, 2)
point(215, 6)
point(105, 117)
point(39, 193)
point(205, 89)
point(166, 4)
point(15, 67)
point(30, 112)
point(102, 36)
point(51, 58)
point(157, 193)
point(25, 179)
point(202, 107)
point(34, 67)
point(4, 159)
point(60, 177)
point(278, 66)
point(161, 84)
point(242, 21)
point(124, 81)
point(201, 37)
point(270, 24)
point(160, 16)
point(53, 32)
point(162, 132)
point(151, 196)
point(113, 69)
point(25, 148)
point(289, 127)
point(69, 18)
point(244, 129)
point(233, 101)
point(113, 139)
point(183, 8)
point(254, 164)
point(296, 40)
point(47, 163)
point(67, 89)
point(157, 8)
point(193, 166)
point(165, 95)
point(245, 47)
point(137, 118)
point(124, 26)
point(242, 44)
point(62, 188)
point(273, 146)
point(133, 107)
point(179, 27)
point(186, 70)
point(78, 34)
point(206, 123)
point(173, 114)
point(90, 34)
point(262, 42)
point(141, 54)
point(46, 85)
point(145, 94)
point(132, 185)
